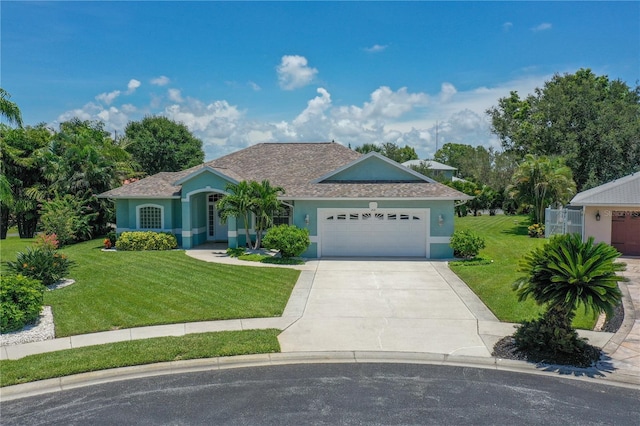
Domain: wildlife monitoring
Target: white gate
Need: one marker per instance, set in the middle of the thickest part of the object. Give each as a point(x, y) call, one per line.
point(562, 221)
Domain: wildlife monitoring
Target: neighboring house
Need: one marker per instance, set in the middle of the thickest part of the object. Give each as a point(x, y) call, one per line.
point(612, 213)
point(435, 168)
point(352, 204)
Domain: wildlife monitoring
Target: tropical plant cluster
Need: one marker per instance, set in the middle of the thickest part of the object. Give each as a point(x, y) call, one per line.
point(145, 240)
point(50, 178)
point(20, 301)
point(562, 275)
point(289, 240)
point(250, 198)
point(536, 230)
point(42, 264)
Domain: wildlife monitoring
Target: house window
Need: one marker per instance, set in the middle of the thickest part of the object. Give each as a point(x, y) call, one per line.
point(150, 217)
point(283, 217)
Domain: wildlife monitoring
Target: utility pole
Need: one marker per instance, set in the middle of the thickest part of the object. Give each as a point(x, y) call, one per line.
point(436, 137)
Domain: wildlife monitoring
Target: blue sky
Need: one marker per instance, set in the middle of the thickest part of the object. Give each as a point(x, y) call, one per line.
point(239, 73)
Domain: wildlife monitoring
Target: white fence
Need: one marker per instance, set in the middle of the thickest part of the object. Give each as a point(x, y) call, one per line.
point(562, 221)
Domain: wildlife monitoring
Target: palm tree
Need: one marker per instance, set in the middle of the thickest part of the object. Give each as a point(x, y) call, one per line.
point(566, 272)
point(265, 205)
point(237, 203)
point(562, 275)
point(540, 182)
point(8, 109)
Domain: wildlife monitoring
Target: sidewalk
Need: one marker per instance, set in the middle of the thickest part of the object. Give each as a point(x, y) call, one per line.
point(623, 347)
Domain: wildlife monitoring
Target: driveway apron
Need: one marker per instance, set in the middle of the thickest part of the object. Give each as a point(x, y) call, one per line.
point(384, 305)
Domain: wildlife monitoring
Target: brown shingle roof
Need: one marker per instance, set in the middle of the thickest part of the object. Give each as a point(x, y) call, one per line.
point(293, 166)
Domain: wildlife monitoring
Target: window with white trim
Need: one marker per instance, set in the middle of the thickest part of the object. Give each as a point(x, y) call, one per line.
point(150, 217)
point(283, 216)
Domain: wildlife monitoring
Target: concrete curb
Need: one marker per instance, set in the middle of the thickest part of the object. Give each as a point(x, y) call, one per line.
point(60, 384)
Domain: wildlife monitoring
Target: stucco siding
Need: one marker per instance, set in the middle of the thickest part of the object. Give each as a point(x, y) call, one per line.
point(206, 181)
point(600, 230)
point(372, 169)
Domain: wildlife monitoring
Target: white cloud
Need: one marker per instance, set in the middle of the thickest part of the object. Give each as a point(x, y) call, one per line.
point(506, 27)
point(132, 86)
point(294, 73)
point(542, 27)
point(399, 116)
point(175, 95)
point(254, 86)
point(160, 81)
point(107, 98)
point(447, 91)
point(376, 48)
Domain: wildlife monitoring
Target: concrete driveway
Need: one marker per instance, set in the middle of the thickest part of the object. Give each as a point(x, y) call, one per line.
point(389, 305)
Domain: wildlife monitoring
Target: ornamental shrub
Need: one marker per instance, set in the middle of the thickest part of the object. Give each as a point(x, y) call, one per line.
point(290, 240)
point(146, 240)
point(46, 241)
point(67, 217)
point(536, 230)
point(466, 244)
point(20, 301)
point(44, 265)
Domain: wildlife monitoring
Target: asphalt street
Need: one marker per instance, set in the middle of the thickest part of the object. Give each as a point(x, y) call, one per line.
point(335, 394)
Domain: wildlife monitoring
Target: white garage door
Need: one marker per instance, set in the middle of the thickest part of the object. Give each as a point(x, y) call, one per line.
point(383, 232)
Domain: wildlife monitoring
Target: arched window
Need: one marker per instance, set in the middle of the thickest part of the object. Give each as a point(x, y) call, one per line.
point(150, 216)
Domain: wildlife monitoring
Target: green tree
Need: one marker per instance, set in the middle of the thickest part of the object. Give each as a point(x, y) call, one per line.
point(541, 182)
point(21, 166)
point(562, 275)
point(237, 204)
point(589, 120)
point(390, 150)
point(265, 205)
point(159, 144)
point(84, 161)
point(247, 198)
point(8, 109)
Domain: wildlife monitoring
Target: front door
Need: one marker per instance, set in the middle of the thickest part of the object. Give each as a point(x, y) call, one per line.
point(216, 230)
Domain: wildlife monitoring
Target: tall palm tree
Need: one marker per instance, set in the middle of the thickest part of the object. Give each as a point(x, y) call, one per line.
point(8, 109)
point(566, 272)
point(265, 205)
point(541, 181)
point(237, 203)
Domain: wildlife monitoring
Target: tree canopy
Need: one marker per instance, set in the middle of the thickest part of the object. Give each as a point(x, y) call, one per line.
point(159, 144)
point(593, 122)
point(540, 182)
point(390, 150)
point(8, 109)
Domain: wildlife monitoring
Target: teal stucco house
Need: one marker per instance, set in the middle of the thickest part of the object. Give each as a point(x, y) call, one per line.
point(352, 204)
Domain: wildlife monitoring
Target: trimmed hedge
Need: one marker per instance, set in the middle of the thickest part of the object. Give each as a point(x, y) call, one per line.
point(290, 240)
point(20, 301)
point(146, 240)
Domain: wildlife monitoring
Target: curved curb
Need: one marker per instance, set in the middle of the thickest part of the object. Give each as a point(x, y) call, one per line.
point(60, 384)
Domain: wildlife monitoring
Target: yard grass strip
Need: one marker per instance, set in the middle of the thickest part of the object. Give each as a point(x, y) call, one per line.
point(506, 243)
point(115, 290)
point(137, 352)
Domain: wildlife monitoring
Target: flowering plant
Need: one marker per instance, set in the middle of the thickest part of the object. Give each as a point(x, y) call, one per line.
point(47, 241)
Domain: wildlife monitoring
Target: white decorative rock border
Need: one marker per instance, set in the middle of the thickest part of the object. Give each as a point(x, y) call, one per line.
point(43, 329)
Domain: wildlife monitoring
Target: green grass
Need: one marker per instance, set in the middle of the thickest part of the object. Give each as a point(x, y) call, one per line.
point(116, 290)
point(506, 243)
point(137, 352)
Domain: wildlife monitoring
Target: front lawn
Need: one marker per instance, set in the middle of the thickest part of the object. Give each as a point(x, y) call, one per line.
point(137, 352)
point(506, 243)
point(132, 289)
